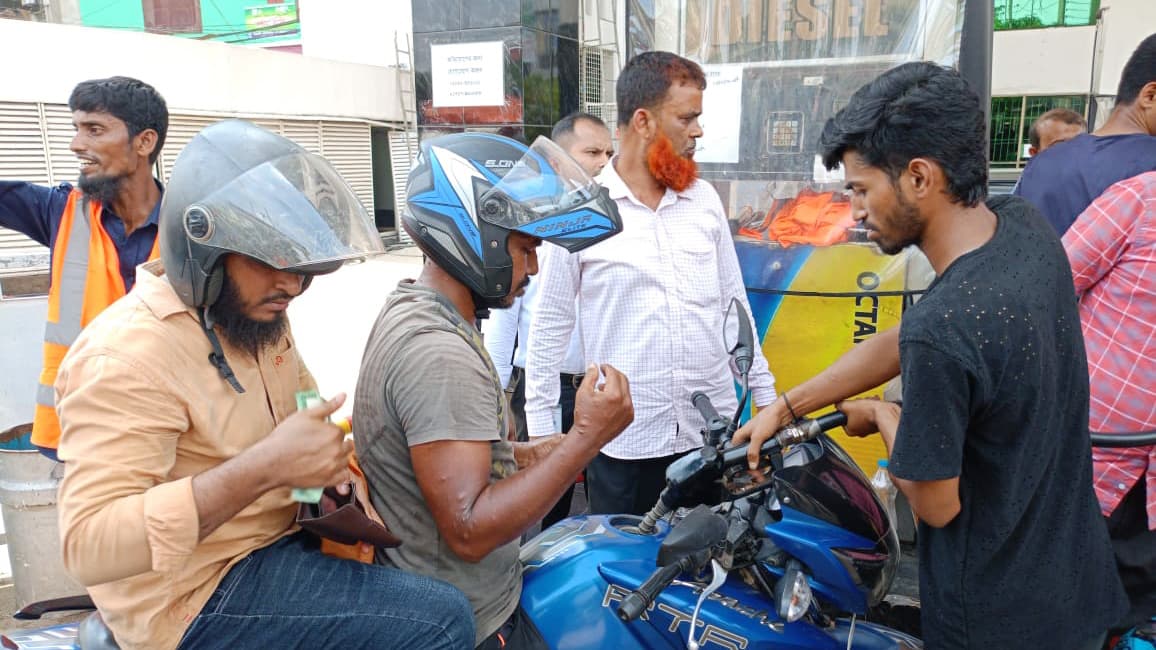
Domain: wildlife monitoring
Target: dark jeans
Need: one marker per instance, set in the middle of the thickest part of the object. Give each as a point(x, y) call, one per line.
point(517, 393)
point(570, 383)
point(289, 595)
point(1135, 548)
point(517, 633)
point(1095, 644)
point(615, 486)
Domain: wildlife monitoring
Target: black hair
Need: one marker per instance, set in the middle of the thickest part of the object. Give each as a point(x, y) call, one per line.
point(565, 126)
point(1063, 115)
point(916, 110)
point(1138, 71)
point(645, 80)
point(129, 100)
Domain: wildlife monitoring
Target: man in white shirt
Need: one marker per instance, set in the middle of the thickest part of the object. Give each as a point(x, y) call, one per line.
point(651, 300)
point(507, 331)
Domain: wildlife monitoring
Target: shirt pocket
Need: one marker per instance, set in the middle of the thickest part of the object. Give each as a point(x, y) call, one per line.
point(696, 265)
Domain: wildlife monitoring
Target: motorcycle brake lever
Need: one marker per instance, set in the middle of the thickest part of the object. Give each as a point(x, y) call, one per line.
point(718, 577)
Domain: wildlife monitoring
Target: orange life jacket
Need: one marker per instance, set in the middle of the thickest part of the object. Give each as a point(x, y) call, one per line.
point(85, 281)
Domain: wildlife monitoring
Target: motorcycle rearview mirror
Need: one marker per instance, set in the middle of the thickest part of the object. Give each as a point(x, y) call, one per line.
point(698, 531)
point(738, 337)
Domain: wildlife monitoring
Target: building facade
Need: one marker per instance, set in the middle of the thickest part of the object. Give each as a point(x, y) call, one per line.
point(321, 104)
point(1058, 53)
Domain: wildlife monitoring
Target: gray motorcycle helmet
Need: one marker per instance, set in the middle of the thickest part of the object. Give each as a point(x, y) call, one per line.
point(237, 188)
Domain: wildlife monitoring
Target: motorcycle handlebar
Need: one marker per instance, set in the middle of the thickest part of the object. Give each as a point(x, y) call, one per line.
point(1118, 440)
point(638, 600)
point(800, 431)
point(715, 425)
point(831, 420)
point(705, 408)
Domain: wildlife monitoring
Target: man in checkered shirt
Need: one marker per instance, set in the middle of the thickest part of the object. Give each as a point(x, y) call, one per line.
point(651, 299)
point(1112, 250)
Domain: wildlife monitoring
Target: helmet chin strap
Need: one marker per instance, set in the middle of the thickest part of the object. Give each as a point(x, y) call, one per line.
point(481, 310)
point(217, 356)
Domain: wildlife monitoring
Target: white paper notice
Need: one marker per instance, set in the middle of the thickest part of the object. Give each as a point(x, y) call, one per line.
point(468, 74)
point(722, 112)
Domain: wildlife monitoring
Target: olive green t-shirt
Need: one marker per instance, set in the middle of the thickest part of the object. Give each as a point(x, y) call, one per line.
point(425, 377)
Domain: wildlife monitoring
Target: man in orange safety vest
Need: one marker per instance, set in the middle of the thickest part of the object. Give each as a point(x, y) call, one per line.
point(99, 231)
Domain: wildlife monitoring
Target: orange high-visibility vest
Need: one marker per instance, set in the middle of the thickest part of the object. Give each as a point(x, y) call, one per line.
point(85, 281)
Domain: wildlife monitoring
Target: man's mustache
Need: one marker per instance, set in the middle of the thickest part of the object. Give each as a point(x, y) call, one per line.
point(276, 297)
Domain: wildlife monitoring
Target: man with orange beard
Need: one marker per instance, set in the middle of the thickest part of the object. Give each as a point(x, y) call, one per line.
point(651, 301)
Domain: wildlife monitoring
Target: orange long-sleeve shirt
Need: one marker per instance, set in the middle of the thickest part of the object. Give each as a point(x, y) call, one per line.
point(142, 412)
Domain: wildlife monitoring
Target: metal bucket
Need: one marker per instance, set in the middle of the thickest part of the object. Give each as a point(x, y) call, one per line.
point(28, 484)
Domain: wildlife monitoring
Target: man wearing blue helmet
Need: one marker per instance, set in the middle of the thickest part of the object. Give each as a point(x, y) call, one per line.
point(430, 416)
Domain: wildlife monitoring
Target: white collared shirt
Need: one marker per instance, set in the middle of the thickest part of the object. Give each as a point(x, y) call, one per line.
point(651, 302)
point(507, 332)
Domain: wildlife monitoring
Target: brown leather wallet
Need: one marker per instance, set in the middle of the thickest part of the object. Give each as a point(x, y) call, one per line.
point(343, 519)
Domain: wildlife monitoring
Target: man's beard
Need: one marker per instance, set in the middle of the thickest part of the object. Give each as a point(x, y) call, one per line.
point(908, 226)
point(243, 332)
point(669, 167)
point(101, 188)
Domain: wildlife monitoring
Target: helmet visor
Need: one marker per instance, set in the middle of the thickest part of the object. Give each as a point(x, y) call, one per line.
point(545, 182)
point(547, 194)
point(293, 213)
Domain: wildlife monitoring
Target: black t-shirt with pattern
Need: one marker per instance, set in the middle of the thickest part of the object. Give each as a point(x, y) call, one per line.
point(995, 392)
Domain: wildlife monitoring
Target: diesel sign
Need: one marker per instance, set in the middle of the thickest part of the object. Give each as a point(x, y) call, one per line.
point(774, 30)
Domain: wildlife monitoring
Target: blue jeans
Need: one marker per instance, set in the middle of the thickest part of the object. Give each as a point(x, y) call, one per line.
point(289, 595)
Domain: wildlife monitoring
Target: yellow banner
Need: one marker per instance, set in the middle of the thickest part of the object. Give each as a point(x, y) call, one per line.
point(808, 333)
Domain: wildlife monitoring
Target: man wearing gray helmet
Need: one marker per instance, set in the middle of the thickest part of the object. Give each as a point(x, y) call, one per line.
point(181, 437)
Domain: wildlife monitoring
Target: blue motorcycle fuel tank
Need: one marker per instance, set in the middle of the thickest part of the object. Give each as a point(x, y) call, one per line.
point(578, 571)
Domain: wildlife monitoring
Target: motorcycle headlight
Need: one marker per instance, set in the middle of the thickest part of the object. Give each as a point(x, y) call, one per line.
point(792, 593)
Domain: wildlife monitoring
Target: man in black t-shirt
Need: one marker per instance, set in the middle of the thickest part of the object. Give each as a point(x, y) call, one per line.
point(991, 448)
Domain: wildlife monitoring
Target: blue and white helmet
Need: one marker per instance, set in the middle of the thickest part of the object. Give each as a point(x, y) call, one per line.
point(470, 190)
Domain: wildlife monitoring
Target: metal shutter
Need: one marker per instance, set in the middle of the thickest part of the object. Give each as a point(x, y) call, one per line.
point(268, 124)
point(347, 146)
point(306, 134)
point(403, 146)
point(182, 129)
point(35, 139)
point(21, 159)
point(63, 165)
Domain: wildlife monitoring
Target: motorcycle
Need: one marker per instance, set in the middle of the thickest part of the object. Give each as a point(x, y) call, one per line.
point(791, 555)
point(795, 554)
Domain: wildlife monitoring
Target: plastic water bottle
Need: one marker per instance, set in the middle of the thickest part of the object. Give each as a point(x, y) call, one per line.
point(885, 489)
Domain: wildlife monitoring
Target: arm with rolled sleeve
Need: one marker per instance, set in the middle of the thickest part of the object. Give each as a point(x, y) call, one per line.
point(31, 209)
point(1097, 238)
point(119, 516)
point(553, 321)
point(762, 382)
point(501, 334)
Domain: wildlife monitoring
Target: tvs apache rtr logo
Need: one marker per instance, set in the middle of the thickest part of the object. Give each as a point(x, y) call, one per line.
point(711, 634)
